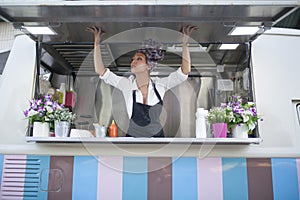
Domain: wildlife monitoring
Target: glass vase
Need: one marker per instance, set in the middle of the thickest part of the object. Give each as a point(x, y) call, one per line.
point(62, 128)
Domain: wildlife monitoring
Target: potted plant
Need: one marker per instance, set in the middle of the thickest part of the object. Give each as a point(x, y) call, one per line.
point(62, 118)
point(38, 115)
point(243, 116)
point(217, 117)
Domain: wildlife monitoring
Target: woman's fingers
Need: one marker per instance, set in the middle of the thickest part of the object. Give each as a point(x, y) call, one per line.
point(188, 29)
point(96, 30)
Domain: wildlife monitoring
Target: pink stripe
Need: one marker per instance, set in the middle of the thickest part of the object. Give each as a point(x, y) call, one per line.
point(298, 170)
point(13, 190)
point(110, 172)
point(210, 178)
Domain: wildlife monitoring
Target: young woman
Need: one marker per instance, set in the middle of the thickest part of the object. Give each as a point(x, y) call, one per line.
point(143, 96)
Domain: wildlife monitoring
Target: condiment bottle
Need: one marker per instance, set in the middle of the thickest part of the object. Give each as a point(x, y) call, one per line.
point(62, 94)
point(113, 129)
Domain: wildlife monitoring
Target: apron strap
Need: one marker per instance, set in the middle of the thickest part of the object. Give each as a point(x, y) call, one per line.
point(134, 96)
point(156, 92)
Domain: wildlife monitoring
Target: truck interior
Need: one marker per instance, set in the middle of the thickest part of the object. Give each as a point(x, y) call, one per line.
point(217, 71)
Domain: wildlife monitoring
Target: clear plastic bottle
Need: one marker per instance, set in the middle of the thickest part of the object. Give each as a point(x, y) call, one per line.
point(201, 123)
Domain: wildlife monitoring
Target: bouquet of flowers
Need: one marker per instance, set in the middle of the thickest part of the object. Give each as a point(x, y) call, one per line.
point(217, 115)
point(40, 109)
point(240, 112)
point(62, 114)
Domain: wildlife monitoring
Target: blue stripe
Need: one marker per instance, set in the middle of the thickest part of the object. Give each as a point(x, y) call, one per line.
point(85, 177)
point(135, 178)
point(184, 178)
point(36, 177)
point(235, 182)
point(285, 178)
point(1, 166)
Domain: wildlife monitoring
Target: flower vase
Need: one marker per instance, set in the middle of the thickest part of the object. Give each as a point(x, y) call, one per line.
point(40, 129)
point(240, 131)
point(219, 130)
point(61, 128)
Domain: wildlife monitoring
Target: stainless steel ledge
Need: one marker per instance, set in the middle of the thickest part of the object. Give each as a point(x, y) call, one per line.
point(130, 140)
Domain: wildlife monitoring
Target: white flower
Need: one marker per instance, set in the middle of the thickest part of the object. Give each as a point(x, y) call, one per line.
point(250, 103)
point(49, 109)
point(245, 117)
point(248, 112)
point(251, 126)
point(49, 103)
point(231, 117)
point(59, 107)
point(32, 113)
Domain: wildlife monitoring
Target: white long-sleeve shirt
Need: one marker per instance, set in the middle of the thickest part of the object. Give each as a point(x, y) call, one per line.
point(128, 85)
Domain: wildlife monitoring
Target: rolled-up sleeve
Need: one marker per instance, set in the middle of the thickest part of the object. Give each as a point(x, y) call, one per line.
point(120, 82)
point(111, 78)
point(174, 79)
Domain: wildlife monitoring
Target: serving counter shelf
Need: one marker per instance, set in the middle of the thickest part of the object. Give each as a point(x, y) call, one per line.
point(131, 140)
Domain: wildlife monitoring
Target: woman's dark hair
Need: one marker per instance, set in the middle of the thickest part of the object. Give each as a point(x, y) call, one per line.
point(153, 51)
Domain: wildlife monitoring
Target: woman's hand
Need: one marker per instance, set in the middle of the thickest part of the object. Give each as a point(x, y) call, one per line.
point(98, 32)
point(187, 31)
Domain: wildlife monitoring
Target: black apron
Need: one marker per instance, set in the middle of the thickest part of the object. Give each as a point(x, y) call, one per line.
point(145, 121)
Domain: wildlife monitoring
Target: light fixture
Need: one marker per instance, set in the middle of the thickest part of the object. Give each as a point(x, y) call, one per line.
point(228, 46)
point(40, 30)
point(192, 48)
point(244, 30)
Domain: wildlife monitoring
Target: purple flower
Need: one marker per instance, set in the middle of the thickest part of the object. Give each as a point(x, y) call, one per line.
point(38, 102)
point(238, 110)
point(26, 113)
point(253, 110)
point(223, 105)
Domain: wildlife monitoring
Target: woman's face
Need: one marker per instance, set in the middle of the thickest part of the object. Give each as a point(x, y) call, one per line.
point(139, 63)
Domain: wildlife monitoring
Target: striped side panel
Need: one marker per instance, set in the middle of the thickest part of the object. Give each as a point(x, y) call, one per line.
point(110, 172)
point(285, 178)
point(13, 178)
point(36, 177)
point(210, 178)
point(184, 179)
point(159, 178)
point(1, 166)
point(235, 185)
point(25, 177)
point(259, 174)
point(60, 177)
point(135, 178)
point(85, 174)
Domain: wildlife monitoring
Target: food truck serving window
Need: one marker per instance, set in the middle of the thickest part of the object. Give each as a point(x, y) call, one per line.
point(187, 110)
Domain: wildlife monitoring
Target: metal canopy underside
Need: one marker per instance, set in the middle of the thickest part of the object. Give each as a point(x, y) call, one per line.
point(128, 23)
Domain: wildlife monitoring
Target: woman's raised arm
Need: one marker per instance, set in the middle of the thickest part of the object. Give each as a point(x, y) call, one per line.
point(98, 62)
point(186, 59)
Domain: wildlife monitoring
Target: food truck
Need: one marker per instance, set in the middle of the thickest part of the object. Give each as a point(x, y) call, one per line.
point(261, 67)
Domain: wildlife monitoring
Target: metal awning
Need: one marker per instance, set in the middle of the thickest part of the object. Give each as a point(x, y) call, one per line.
point(71, 47)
